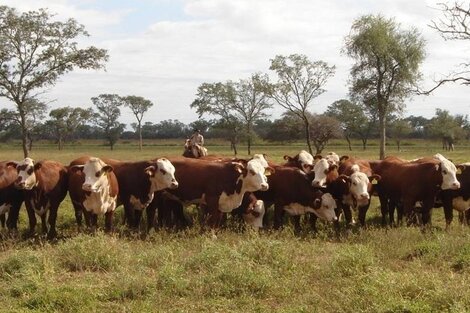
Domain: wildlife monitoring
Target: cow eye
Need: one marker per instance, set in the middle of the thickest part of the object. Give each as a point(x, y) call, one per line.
point(163, 171)
point(354, 183)
point(98, 174)
point(444, 172)
point(30, 171)
point(252, 172)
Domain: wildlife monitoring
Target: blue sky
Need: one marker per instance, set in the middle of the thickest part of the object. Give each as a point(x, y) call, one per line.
point(164, 49)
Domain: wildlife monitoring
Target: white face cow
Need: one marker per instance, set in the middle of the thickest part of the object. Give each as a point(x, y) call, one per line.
point(254, 217)
point(262, 159)
point(321, 170)
point(332, 158)
point(255, 178)
point(306, 161)
point(326, 211)
point(95, 175)
point(448, 171)
point(26, 176)
point(359, 185)
point(162, 175)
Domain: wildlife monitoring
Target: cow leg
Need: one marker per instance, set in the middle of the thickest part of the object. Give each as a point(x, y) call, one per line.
point(178, 214)
point(313, 222)
point(278, 215)
point(2, 220)
point(150, 210)
point(385, 209)
point(52, 221)
point(108, 221)
point(347, 214)
point(32, 220)
point(362, 214)
point(426, 214)
point(78, 215)
point(93, 222)
point(215, 215)
point(448, 209)
point(137, 218)
point(13, 215)
point(296, 220)
point(467, 216)
point(44, 223)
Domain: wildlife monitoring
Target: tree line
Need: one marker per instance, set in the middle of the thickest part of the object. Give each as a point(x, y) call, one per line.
point(35, 50)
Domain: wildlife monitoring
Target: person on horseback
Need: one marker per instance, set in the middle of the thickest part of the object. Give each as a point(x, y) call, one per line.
point(196, 144)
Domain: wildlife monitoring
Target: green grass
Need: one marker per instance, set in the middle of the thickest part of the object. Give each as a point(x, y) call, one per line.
point(371, 270)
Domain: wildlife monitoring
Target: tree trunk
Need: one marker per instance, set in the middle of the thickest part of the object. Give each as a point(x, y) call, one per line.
point(140, 136)
point(248, 131)
point(382, 122)
point(60, 142)
point(30, 142)
point(234, 146)
point(364, 143)
point(24, 132)
point(307, 134)
point(349, 142)
point(398, 146)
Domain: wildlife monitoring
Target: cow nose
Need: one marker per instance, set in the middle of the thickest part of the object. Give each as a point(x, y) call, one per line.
point(365, 195)
point(264, 187)
point(456, 185)
point(86, 187)
point(316, 183)
point(20, 184)
point(174, 184)
point(335, 218)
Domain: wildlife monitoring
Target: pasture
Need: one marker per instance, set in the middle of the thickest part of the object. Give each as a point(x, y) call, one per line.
point(363, 270)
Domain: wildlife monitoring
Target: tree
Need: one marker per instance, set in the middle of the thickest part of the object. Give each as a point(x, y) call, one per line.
point(27, 122)
point(107, 115)
point(138, 106)
point(34, 52)
point(287, 128)
point(323, 128)
point(453, 25)
point(399, 129)
point(251, 102)
point(299, 82)
point(218, 99)
point(448, 128)
point(386, 68)
point(66, 120)
point(171, 129)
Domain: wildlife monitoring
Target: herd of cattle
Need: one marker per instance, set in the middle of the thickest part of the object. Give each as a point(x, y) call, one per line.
point(322, 187)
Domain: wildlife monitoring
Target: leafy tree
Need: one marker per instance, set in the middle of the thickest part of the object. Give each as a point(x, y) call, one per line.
point(218, 99)
point(323, 128)
point(386, 67)
point(66, 120)
point(299, 82)
point(418, 125)
point(448, 128)
point(106, 117)
point(34, 52)
point(251, 102)
point(203, 125)
point(27, 123)
point(171, 129)
point(287, 128)
point(399, 129)
point(138, 106)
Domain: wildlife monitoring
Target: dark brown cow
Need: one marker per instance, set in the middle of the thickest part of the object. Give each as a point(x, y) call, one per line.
point(10, 197)
point(45, 186)
point(291, 191)
point(218, 186)
point(138, 182)
point(411, 182)
point(360, 179)
point(93, 189)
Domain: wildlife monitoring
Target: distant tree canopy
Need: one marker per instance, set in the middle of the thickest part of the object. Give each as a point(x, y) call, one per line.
point(35, 51)
point(106, 116)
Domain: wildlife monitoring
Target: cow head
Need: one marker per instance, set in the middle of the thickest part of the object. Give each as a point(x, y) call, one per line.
point(254, 175)
point(322, 169)
point(359, 185)
point(95, 171)
point(254, 215)
point(26, 173)
point(262, 158)
point(162, 175)
point(448, 171)
point(325, 208)
point(332, 158)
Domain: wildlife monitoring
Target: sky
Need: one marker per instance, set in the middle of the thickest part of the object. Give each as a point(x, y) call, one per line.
point(163, 50)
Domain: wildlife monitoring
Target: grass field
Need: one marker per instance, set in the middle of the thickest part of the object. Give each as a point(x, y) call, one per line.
point(371, 270)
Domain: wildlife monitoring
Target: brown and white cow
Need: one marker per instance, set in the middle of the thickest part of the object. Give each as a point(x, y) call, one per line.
point(10, 197)
point(138, 182)
point(411, 182)
point(303, 160)
point(45, 186)
point(93, 189)
point(218, 186)
point(291, 191)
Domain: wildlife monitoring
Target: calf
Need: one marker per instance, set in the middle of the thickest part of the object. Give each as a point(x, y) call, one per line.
point(410, 182)
point(11, 198)
point(93, 189)
point(302, 160)
point(218, 186)
point(45, 186)
point(138, 182)
point(291, 191)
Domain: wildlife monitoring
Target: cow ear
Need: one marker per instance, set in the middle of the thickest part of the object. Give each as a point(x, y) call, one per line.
point(150, 171)
point(309, 166)
point(268, 171)
point(239, 167)
point(344, 178)
point(460, 168)
point(107, 168)
point(265, 156)
point(317, 204)
point(287, 158)
point(37, 166)
point(374, 179)
point(332, 167)
point(12, 164)
point(343, 158)
point(75, 168)
point(317, 157)
point(437, 166)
